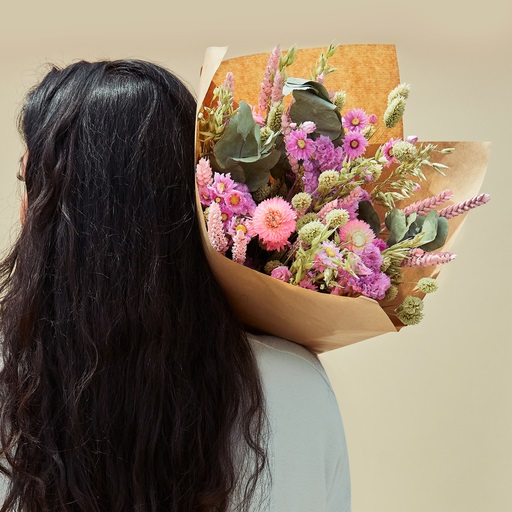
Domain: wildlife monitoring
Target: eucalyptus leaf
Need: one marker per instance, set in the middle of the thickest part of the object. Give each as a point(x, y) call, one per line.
point(396, 223)
point(440, 239)
point(310, 107)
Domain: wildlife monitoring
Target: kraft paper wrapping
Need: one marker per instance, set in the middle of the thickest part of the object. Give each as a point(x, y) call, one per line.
point(322, 322)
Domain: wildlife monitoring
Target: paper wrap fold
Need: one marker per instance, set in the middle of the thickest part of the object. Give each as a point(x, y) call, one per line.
point(322, 322)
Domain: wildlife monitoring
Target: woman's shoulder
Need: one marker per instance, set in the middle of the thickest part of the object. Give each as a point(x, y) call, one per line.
point(283, 357)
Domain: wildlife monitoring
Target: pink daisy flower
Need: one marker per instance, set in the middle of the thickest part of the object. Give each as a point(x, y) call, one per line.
point(354, 144)
point(238, 224)
point(355, 119)
point(329, 251)
point(356, 235)
point(298, 145)
point(273, 221)
point(222, 184)
point(387, 151)
point(236, 202)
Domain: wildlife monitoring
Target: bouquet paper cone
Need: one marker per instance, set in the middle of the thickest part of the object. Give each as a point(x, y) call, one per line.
point(323, 322)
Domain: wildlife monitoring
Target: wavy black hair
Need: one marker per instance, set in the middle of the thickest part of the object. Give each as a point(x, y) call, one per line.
point(127, 383)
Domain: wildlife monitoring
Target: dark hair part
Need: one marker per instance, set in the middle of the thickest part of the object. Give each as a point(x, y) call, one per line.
point(127, 382)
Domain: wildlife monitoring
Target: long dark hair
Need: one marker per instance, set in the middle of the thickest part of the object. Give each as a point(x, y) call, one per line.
point(127, 382)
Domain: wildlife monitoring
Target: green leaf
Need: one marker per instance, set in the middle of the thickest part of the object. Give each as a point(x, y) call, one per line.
point(397, 225)
point(309, 106)
point(440, 239)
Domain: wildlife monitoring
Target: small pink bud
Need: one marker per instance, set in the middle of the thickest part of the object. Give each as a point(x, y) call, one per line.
point(308, 127)
point(372, 119)
point(412, 139)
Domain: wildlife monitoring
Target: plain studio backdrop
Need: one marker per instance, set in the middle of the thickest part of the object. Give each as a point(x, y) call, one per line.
point(427, 412)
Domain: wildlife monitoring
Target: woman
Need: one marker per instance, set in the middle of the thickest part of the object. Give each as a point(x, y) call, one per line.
point(127, 382)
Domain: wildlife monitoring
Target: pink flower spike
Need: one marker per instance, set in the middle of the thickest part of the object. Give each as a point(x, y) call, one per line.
point(239, 249)
point(354, 144)
point(277, 88)
point(229, 82)
point(273, 221)
point(215, 229)
point(428, 259)
point(282, 273)
point(266, 84)
point(425, 205)
point(203, 173)
point(458, 209)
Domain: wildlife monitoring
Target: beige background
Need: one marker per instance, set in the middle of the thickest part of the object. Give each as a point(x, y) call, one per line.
point(427, 412)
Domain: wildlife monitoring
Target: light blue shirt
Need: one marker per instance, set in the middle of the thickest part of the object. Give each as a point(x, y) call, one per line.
point(308, 452)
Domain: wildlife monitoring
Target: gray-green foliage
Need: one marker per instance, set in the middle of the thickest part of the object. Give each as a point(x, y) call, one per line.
point(434, 229)
point(312, 103)
point(241, 152)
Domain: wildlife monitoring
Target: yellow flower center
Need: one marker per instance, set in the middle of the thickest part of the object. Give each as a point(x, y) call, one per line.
point(221, 186)
point(218, 199)
point(330, 252)
point(241, 227)
point(273, 218)
point(224, 217)
point(234, 199)
point(359, 239)
point(354, 143)
point(355, 121)
point(301, 143)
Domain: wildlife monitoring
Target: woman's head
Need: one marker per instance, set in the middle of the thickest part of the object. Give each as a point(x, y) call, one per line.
point(125, 375)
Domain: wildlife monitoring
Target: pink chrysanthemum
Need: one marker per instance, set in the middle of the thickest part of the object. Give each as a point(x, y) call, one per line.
point(354, 144)
point(238, 224)
point(355, 119)
point(356, 235)
point(236, 202)
point(387, 151)
point(298, 145)
point(273, 221)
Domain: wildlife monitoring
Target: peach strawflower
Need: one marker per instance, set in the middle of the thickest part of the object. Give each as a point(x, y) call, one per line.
point(356, 235)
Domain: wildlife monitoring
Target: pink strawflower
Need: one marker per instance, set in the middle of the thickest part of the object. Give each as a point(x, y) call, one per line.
point(238, 202)
point(387, 151)
point(282, 273)
point(273, 221)
point(215, 229)
point(372, 119)
point(354, 144)
point(239, 249)
point(298, 145)
point(355, 119)
point(203, 173)
point(356, 235)
point(222, 185)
